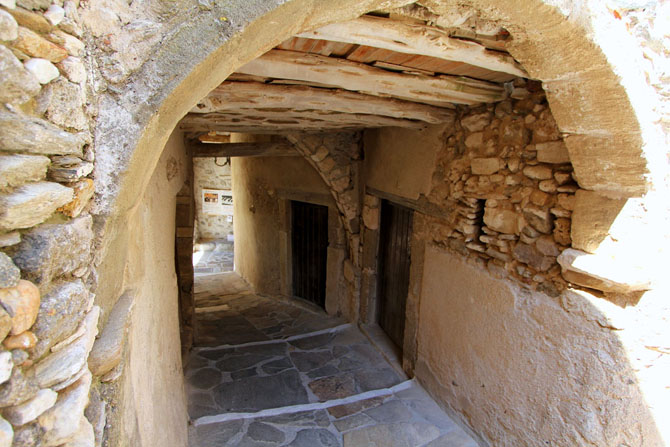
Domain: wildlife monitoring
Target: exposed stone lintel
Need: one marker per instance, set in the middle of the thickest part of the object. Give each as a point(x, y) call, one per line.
point(604, 273)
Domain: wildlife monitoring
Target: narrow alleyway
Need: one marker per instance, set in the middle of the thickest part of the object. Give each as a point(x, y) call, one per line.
point(269, 372)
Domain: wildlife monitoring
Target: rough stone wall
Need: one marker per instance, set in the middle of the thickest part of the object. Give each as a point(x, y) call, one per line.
point(501, 191)
point(48, 319)
point(209, 174)
point(505, 176)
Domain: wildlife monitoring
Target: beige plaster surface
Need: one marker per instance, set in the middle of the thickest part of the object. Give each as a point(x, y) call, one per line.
point(257, 183)
point(154, 402)
point(401, 161)
point(524, 369)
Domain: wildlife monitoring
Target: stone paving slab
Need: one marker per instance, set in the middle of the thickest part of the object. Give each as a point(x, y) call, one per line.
point(255, 353)
point(241, 316)
point(333, 365)
point(408, 418)
point(214, 257)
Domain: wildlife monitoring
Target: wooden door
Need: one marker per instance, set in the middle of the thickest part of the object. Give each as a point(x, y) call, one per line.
point(394, 262)
point(309, 248)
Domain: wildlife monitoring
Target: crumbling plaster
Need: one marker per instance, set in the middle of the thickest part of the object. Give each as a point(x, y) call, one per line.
point(536, 369)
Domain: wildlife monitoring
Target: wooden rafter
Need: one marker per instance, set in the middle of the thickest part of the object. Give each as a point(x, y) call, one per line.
point(286, 119)
point(338, 73)
point(241, 96)
point(273, 149)
point(415, 38)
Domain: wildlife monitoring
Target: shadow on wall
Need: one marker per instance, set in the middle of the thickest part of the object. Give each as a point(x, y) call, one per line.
point(521, 367)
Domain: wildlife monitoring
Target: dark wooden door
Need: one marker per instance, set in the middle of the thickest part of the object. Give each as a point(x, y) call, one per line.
point(394, 262)
point(309, 243)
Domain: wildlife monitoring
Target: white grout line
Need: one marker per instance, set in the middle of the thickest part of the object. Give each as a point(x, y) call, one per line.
point(225, 417)
point(276, 340)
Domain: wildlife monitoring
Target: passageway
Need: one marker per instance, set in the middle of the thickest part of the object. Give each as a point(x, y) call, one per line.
point(270, 372)
point(407, 205)
point(454, 205)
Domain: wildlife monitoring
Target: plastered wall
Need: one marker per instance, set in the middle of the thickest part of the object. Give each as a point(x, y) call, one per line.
point(153, 406)
point(259, 184)
point(402, 161)
point(523, 368)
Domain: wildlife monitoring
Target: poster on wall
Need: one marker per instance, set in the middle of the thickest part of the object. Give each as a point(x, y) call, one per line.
point(216, 202)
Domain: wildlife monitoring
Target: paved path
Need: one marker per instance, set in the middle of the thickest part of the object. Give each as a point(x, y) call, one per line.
point(267, 372)
point(212, 257)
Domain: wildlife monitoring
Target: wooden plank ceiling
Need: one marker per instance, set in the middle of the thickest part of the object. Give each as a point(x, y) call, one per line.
point(398, 69)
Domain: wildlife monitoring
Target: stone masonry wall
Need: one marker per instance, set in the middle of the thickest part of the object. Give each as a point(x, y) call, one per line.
point(503, 177)
point(48, 322)
point(210, 175)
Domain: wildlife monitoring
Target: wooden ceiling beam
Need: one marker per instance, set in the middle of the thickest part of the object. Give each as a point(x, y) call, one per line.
point(272, 149)
point(232, 96)
point(415, 38)
point(294, 119)
point(353, 76)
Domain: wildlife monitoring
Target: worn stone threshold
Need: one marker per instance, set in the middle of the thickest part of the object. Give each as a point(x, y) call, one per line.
point(383, 344)
point(291, 409)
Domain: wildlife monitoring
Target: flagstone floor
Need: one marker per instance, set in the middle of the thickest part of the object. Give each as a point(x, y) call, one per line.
point(213, 257)
point(271, 372)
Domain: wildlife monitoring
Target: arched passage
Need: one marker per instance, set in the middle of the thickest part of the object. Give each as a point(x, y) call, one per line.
point(592, 127)
point(611, 150)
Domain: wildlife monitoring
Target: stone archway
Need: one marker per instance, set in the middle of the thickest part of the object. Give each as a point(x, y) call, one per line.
point(611, 150)
point(140, 113)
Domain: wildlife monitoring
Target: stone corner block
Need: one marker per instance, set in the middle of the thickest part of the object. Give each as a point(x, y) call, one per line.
point(592, 217)
point(603, 272)
point(32, 204)
point(55, 249)
point(108, 348)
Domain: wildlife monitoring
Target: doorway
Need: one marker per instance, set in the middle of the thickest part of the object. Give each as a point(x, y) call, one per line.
point(394, 264)
point(309, 248)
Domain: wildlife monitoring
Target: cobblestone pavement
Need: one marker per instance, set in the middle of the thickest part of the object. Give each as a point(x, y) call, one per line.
point(271, 372)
